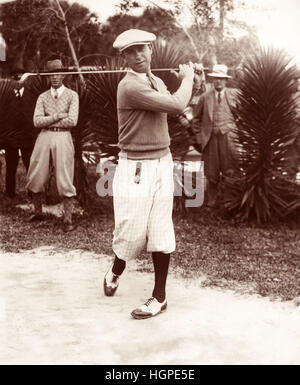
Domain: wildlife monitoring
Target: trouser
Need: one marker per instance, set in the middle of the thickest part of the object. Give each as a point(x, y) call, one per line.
point(59, 146)
point(218, 157)
point(12, 160)
point(143, 203)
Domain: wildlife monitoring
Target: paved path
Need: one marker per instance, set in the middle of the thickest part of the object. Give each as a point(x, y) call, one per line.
point(53, 311)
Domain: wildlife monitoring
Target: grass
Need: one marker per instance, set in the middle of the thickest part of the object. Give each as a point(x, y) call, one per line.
point(241, 257)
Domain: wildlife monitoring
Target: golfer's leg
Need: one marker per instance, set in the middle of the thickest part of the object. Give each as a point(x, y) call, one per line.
point(161, 239)
point(160, 230)
point(131, 210)
point(161, 267)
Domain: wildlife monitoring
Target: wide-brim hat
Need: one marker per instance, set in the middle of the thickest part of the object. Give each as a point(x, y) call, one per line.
point(54, 65)
point(133, 37)
point(219, 71)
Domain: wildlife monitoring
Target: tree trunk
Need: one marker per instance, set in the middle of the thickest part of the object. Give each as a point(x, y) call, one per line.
point(222, 14)
point(70, 43)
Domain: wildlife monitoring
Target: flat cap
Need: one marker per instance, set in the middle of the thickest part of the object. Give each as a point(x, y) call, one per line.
point(133, 37)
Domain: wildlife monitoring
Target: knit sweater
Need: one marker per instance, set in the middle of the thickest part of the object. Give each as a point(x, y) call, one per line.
point(142, 115)
point(47, 107)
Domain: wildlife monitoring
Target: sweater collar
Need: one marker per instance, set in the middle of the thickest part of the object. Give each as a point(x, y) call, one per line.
point(141, 75)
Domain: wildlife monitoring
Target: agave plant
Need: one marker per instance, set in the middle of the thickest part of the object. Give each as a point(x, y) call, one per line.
point(266, 116)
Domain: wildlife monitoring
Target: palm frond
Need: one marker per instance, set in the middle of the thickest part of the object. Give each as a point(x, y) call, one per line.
point(167, 55)
point(103, 96)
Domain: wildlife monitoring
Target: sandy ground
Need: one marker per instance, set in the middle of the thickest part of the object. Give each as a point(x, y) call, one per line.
point(53, 311)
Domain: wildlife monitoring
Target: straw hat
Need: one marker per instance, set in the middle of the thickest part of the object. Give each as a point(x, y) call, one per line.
point(219, 71)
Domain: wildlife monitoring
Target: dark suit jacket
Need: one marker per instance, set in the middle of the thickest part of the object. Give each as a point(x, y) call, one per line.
point(17, 127)
point(203, 115)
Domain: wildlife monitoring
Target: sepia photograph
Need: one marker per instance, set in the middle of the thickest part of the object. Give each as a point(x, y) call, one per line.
point(150, 185)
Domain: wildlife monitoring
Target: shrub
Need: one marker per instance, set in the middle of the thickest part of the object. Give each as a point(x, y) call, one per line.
point(261, 188)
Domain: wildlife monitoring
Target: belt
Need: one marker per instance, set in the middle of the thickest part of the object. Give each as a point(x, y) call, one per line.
point(57, 129)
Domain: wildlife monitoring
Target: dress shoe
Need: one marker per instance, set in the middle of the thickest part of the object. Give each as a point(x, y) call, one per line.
point(110, 283)
point(149, 309)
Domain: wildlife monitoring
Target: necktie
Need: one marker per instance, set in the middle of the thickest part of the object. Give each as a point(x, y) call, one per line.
point(219, 97)
point(55, 94)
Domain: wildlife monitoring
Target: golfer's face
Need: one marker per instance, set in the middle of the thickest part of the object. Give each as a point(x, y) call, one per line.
point(219, 83)
point(138, 57)
point(56, 80)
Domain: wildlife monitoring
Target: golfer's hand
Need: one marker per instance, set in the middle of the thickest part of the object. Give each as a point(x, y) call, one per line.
point(198, 74)
point(183, 121)
point(186, 71)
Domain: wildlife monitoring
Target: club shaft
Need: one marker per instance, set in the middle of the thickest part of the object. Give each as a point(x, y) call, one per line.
point(96, 72)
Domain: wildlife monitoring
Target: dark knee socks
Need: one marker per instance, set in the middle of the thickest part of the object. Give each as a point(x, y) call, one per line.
point(118, 266)
point(161, 267)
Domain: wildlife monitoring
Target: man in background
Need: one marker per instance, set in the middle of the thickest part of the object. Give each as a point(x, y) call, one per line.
point(214, 123)
point(55, 114)
point(19, 132)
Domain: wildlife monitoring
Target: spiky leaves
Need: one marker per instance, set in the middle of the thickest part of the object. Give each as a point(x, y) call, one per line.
point(103, 92)
point(167, 55)
point(265, 115)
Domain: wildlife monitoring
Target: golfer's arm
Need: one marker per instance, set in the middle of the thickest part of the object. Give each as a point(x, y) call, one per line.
point(146, 98)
